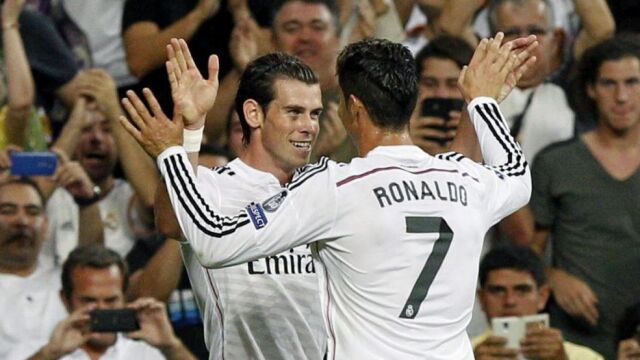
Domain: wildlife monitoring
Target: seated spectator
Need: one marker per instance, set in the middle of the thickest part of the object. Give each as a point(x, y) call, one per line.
point(439, 64)
point(512, 283)
point(628, 335)
point(94, 277)
point(30, 300)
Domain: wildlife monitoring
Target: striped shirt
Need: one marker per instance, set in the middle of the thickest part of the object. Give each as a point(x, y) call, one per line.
point(268, 308)
point(398, 235)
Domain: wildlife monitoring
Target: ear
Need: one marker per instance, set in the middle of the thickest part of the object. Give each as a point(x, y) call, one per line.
point(543, 296)
point(355, 107)
point(253, 113)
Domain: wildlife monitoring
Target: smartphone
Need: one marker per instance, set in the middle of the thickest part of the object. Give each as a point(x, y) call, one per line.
point(440, 107)
point(514, 328)
point(33, 163)
point(114, 320)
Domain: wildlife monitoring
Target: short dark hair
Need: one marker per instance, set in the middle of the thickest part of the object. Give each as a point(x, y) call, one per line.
point(512, 257)
point(26, 181)
point(332, 6)
point(588, 70)
point(258, 79)
point(383, 76)
point(94, 256)
point(492, 12)
point(446, 47)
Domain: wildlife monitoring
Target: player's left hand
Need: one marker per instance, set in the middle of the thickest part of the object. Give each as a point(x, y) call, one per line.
point(193, 96)
point(156, 132)
point(543, 343)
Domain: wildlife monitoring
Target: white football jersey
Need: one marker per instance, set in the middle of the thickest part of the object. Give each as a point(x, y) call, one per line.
point(267, 308)
point(398, 233)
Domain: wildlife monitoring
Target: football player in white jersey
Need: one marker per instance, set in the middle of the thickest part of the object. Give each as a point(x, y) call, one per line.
point(398, 232)
point(267, 308)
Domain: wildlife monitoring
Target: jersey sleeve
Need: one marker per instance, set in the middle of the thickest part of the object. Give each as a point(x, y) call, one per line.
point(509, 178)
point(297, 215)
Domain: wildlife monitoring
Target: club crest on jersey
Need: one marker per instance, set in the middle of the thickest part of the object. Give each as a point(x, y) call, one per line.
point(273, 203)
point(409, 311)
point(257, 215)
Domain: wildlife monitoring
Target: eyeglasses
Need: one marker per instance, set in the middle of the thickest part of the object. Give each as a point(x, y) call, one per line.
point(514, 32)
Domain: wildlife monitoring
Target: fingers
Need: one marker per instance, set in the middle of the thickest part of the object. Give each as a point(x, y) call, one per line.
point(480, 53)
point(522, 69)
point(132, 130)
point(214, 68)
point(136, 109)
point(172, 57)
point(156, 109)
point(493, 48)
point(523, 42)
point(187, 54)
point(180, 58)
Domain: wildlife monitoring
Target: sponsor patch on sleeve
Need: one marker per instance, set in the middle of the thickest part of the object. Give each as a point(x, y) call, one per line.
point(257, 215)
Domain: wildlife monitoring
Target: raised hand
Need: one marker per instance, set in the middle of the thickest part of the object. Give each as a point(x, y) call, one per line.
point(156, 132)
point(193, 96)
point(73, 177)
point(494, 347)
point(494, 68)
point(69, 334)
point(11, 11)
point(155, 327)
point(543, 343)
point(243, 46)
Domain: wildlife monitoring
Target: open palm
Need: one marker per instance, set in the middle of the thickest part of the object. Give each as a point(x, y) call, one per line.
point(193, 96)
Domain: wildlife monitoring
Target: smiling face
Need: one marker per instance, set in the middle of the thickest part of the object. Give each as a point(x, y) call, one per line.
point(96, 150)
point(307, 31)
point(291, 123)
point(616, 93)
point(22, 227)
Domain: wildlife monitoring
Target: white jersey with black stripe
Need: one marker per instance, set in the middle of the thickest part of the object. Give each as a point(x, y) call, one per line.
point(398, 233)
point(268, 308)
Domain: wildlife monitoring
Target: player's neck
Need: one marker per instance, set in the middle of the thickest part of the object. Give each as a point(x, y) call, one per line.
point(374, 137)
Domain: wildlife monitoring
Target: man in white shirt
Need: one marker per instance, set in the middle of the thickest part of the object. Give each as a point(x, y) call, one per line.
point(29, 286)
point(382, 225)
point(268, 308)
point(95, 277)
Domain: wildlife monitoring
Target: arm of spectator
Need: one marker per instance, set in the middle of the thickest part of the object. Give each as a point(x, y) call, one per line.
point(494, 347)
point(20, 85)
point(138, 168)
point(518, 227)
point(144, 41)
point(457, 19)
point(573, 295)
point(78, 120)
point(67, 336)
point(161, 274)
point(166, 221)
point(71, 176)
point(156, 330)
point(597, 24)
point(365, 26)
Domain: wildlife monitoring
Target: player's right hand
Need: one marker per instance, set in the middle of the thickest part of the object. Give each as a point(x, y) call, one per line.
point(493, 348)
point(574, 295)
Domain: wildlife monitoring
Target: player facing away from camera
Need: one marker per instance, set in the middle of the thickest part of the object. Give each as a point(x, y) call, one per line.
point(398, 232)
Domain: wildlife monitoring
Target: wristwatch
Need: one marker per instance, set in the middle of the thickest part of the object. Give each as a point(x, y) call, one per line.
point(93, 199)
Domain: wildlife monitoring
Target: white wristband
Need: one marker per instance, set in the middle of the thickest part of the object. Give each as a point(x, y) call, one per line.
point(192, 139)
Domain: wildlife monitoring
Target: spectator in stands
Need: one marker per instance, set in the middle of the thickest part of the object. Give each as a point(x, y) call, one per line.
point(97, 140)
point(94, 277)
point(581, 198)
point(439, 64)
point(30, 303)
point(512, 283)
point(148, 25)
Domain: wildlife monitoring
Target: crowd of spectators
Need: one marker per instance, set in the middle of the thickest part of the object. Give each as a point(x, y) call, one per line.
point(573, 253)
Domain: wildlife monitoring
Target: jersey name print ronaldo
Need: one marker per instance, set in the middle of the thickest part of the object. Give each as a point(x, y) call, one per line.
point(398, 234)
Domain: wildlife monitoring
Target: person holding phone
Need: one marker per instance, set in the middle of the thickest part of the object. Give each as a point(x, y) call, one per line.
point(513, 284)
point(437, 113)
point(96, 278)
